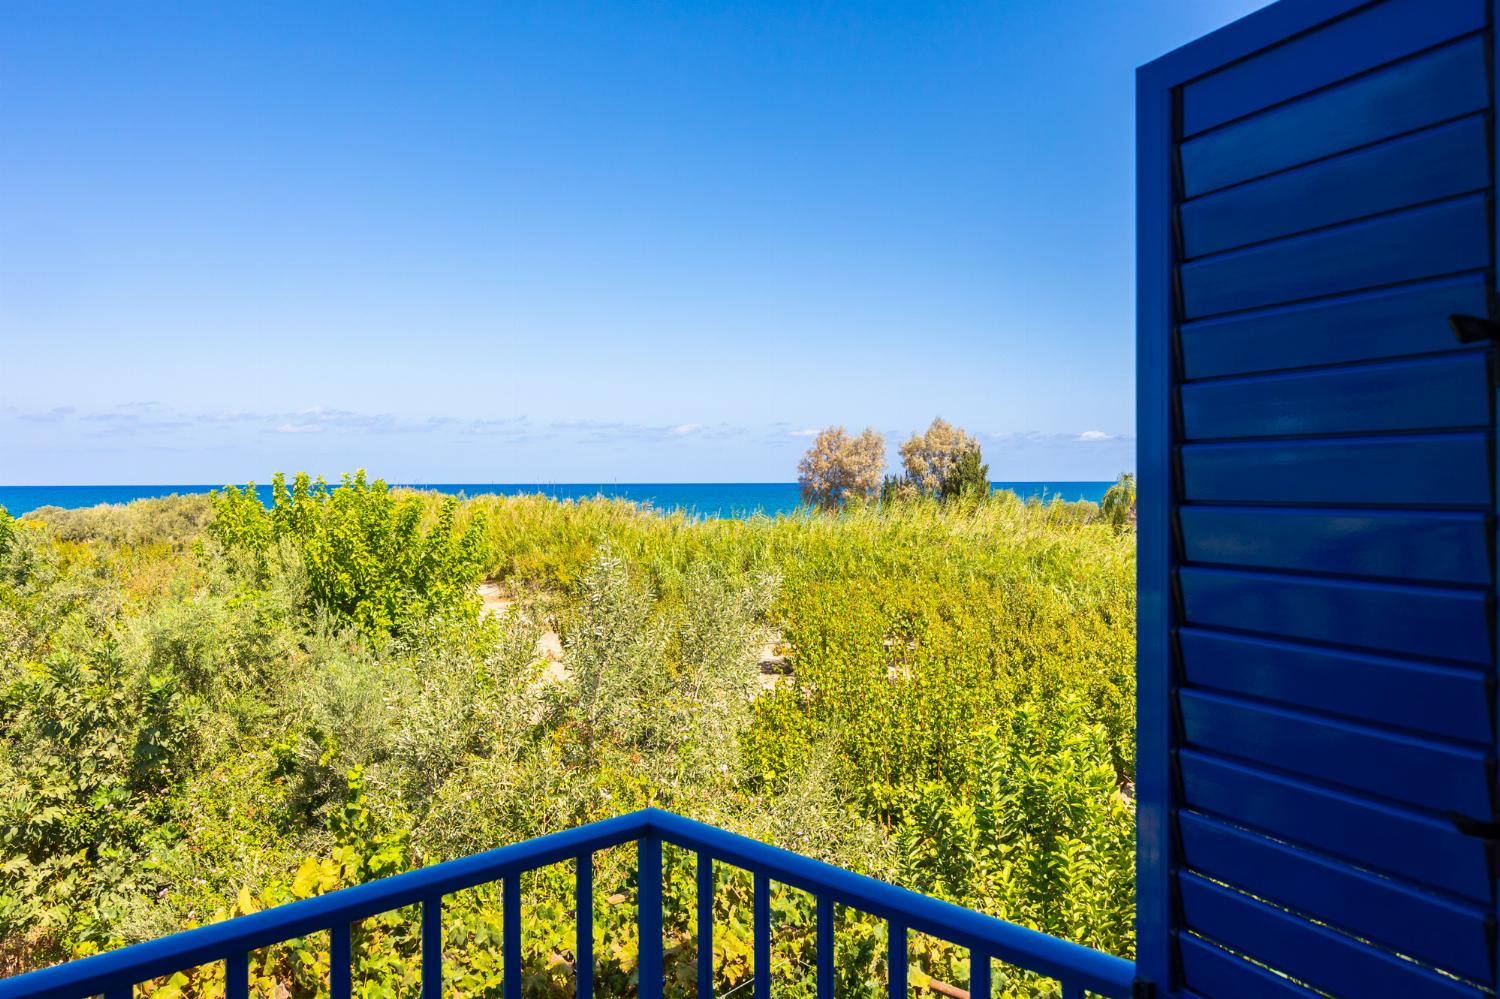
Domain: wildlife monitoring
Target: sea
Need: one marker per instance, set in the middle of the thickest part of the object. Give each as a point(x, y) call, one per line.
point(703, 499)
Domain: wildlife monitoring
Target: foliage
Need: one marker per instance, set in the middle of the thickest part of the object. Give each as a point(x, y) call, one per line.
point(649, 680)
point(174, 521)
point(898, 489)
point(932, 458)
point(7, 531)
point(839, 469)
point(1036, 831)
point(1118, 504)
point(201, 721)
point(367, 556)
point(968, 477)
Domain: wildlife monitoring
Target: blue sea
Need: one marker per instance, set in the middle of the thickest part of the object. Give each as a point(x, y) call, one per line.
point(704, 499)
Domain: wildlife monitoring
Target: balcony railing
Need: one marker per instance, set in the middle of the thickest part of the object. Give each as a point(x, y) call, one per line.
point(114, 974)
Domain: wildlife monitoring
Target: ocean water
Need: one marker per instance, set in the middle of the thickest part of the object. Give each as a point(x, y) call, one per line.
point(706, 499)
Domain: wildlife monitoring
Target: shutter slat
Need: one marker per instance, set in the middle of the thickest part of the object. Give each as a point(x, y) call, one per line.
point(1439, 700)
point(1419, 848)
point(1424, 545)
point(1435, 163)
point(1405, 768)
point(1438, 622)
point(1442, 238)
point(1425, 394)
point(1388, 322)
point(1447, 933)
point(1445, 83)
point(1447, 470)
point(1214, 973)
point(1350, 45)
point(1321, 957)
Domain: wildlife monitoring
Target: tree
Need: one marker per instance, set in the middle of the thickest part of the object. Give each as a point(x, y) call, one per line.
point(969, 476)
point(1118, 504)
point(898, 489)
point(931, 459)
point(838, 468)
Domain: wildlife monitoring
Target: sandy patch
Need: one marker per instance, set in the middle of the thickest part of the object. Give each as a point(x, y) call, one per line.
point(548, 647)
point(773, 665)
point(495, 602)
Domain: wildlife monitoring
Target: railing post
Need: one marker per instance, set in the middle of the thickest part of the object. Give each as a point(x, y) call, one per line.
point(979, 975)
point(825, 947)
point(340, 961)
point(648, 915)
point(510, 916)
point(762, 935)
point(237, 976)
point(432, 947)
point(896, 959)
point(705, 926)
point(583, 934)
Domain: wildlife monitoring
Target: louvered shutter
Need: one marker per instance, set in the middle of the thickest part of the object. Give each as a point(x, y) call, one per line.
point(1317, 476)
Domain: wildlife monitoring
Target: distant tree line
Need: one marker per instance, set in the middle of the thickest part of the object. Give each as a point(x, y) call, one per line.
point(943, 462)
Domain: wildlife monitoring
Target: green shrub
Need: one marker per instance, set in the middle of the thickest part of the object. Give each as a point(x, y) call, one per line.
point(1036, 830)
point(367, 555)
point(170, 520)
point(1118, 505)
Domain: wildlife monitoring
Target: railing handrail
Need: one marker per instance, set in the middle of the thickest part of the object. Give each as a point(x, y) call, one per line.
point(190, 948)
point(1031, 949)
point(1081, 967)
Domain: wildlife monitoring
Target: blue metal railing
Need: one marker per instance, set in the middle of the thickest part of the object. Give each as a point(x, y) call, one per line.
point(115, 974)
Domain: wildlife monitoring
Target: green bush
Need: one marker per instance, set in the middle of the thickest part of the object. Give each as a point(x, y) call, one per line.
point(1036, 830)
point(174, 521)
point(1118, 505)
point(367, 555)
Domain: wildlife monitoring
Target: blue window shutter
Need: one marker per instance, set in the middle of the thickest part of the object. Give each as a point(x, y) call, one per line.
point(1316, 761)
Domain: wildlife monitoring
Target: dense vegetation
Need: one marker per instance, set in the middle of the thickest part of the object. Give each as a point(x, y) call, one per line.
point(207, 708)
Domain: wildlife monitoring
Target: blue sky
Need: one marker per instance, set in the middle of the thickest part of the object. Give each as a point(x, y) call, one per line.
point(512, 242)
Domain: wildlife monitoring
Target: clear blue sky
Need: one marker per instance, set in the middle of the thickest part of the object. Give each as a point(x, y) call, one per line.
point(510, 242)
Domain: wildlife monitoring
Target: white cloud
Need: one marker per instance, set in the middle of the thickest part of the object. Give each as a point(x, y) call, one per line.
point(155, 420)
point(55, 415)
point(1024, 438)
